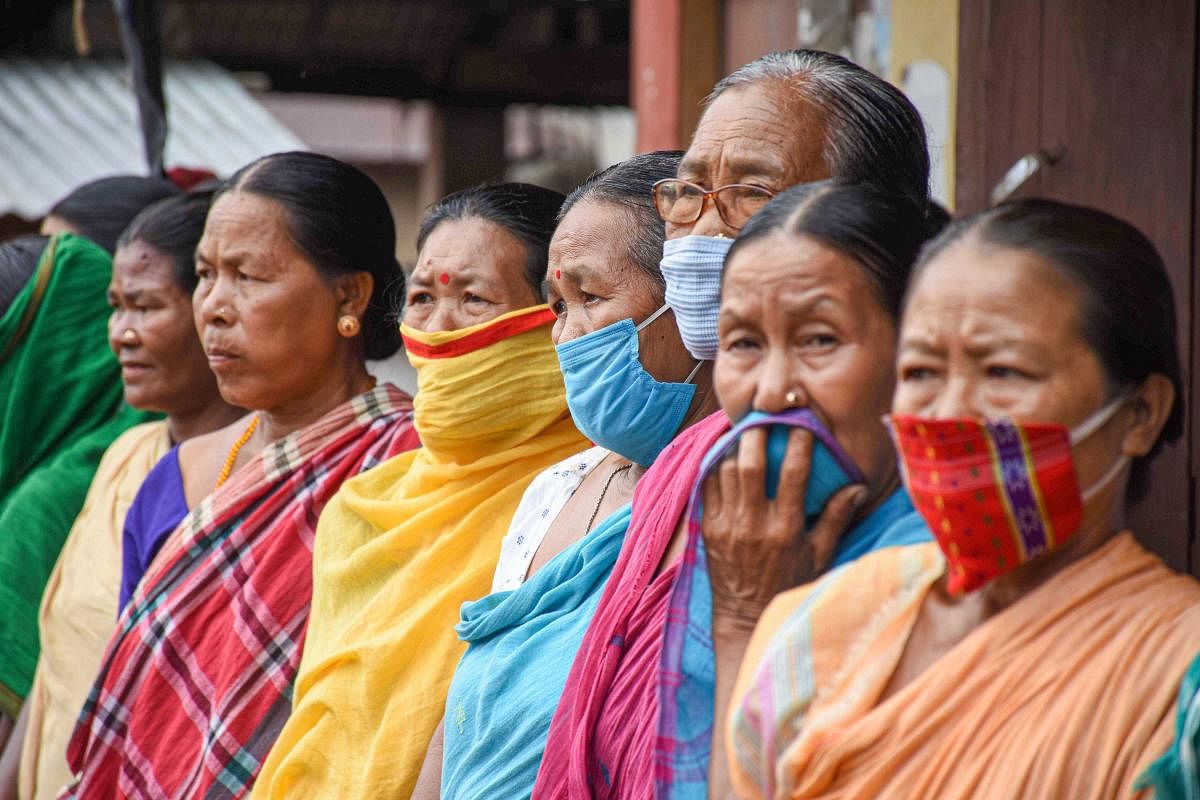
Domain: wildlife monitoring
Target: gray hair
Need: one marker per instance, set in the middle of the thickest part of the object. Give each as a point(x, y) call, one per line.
point(875, 133)
point(630, 185)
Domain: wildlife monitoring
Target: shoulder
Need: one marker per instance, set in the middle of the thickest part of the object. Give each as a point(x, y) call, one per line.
point(199, 450)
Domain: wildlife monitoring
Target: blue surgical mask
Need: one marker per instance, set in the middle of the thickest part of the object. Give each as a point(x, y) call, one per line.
point(613, 400)
point(692, 268)
point(830, 468)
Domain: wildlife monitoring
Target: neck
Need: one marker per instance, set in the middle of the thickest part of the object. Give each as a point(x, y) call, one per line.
point(276, 423)
point(705, 401)
point(183, 425)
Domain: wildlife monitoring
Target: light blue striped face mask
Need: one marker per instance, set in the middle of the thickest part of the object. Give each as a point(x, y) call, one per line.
point(692, 268)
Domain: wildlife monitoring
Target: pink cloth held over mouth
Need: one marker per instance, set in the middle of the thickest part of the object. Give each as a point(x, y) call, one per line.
point(602, 736)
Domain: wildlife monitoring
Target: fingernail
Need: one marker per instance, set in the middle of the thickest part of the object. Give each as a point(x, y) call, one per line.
point(860, 497)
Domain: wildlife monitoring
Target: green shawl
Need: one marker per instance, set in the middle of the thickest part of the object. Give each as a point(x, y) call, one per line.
point(61, 405)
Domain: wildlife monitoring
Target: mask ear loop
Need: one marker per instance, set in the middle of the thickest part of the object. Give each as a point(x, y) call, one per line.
point(1099, 419)
point(664, 308)
point(1088, 427)
point(692, 374)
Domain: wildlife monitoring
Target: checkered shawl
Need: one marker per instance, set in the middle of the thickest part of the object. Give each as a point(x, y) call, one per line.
point(197, 680)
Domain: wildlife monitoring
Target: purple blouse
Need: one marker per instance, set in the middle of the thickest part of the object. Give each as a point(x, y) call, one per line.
point(157, 510)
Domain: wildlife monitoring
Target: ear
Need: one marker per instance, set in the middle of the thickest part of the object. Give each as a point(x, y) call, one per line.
point(353, 293)
point(1152, 403)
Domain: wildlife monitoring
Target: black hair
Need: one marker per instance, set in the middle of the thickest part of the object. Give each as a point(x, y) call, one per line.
point(18, 261)
point(526, 211)
point(101, 209)
point(880, 229)
point(873, 134)
point(338, 218)
point(173, 227)
point(1127, 306)
point(630, 184)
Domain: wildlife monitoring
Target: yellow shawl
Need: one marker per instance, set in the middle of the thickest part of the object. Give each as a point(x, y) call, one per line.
point(1067, 693)
point(401, 547)
point(79, 608)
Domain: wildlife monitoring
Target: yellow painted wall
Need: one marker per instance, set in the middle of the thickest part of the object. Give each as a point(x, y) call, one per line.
point(928, 29)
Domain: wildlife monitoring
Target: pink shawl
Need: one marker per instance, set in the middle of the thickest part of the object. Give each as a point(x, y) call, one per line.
point(601, 741)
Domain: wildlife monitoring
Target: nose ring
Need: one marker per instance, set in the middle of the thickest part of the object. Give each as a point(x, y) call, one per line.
point(223, 311)
point(128, 336)
point(791, 397)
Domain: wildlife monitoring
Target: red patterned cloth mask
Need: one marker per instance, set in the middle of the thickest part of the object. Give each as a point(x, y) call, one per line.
point(995, 493)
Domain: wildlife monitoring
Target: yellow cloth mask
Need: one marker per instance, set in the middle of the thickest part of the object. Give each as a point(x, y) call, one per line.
point(485, 388)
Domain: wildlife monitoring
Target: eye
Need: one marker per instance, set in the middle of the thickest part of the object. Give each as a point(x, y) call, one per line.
point(203, 272)
point(820, 340)
point(742, 343)
point(559, 307)
point(1003, 372)
point(590, 299)
point(914, 374)
point(473, 298)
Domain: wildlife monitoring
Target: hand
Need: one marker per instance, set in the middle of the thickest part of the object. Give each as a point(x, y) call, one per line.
point(757, 547)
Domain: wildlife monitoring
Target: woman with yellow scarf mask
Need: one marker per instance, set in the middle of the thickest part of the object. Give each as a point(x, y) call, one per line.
point(401, 547)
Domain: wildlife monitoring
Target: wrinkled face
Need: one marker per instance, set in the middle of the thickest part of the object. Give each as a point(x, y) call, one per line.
point(762, 134)
point(1005, 344)
point(592, 283)
point(469, 271)
point(266, 316)
point(802, 318)
point(152, 333)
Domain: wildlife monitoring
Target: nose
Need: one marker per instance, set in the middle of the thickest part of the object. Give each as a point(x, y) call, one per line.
point(443, 318)
point(214, 306)
point(572, 328)
point(956, 398)
point(777, 387)
point(710, 223)
point(116, 328)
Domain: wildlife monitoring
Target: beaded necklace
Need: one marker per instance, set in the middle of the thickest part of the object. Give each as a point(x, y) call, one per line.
point(231, 459)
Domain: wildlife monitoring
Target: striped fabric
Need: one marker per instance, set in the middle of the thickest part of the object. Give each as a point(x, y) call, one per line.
point(691, 267)
point(198, 678)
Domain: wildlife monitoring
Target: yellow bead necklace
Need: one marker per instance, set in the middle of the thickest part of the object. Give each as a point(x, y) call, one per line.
point(231, 459)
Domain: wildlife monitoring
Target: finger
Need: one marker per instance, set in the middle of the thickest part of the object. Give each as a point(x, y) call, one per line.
point(835, 519)
point(727, 478)
point(711, 492)
point(752, 465)
point(793, 476)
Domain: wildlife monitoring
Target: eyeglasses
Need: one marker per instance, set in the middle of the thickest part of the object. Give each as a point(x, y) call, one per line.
point(682, 202)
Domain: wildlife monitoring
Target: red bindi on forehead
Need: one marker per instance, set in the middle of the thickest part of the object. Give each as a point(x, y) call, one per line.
point(444, 278)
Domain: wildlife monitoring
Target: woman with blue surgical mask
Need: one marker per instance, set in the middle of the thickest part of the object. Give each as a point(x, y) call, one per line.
point(781, 120)
point(631, 387)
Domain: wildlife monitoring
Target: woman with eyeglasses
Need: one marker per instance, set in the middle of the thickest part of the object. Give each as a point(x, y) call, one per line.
point(779, 121)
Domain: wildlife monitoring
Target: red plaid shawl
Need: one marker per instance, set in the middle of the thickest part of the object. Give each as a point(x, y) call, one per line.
point(197, 680)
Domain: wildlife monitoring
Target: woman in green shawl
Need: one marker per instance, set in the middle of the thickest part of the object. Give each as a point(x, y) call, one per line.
point(60, 407)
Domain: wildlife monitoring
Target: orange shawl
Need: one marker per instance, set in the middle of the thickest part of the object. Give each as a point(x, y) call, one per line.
point(1067, 693)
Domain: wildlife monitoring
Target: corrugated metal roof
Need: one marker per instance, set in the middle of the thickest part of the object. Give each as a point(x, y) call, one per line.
point(63, 123)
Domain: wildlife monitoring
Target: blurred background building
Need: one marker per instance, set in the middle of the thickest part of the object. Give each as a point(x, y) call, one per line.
point(1090, 101)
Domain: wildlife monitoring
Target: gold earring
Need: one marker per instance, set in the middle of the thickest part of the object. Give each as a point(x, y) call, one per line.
point(348, 326)
point(791, 397)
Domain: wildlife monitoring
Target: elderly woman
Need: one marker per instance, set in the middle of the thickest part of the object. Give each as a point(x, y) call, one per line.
point(60, 409)
point(1036, 649)
point(400, 548)
point(163, 369)
point(783, 119)
point(778, 121)
point(627, 377)
point(293, 268)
